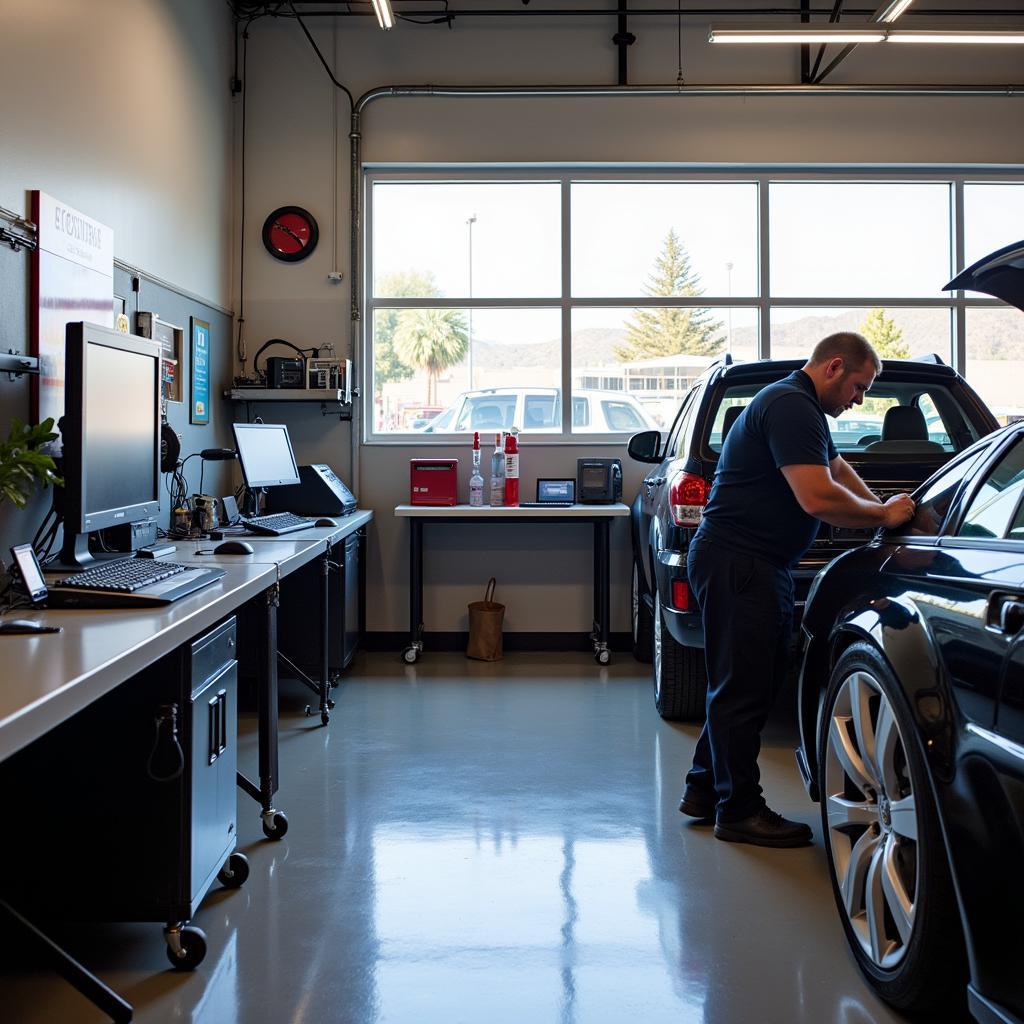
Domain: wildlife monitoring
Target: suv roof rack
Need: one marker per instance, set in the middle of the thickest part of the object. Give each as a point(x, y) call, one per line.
point(931, 357)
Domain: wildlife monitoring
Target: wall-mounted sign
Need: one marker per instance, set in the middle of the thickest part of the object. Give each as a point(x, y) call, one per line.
point(199, 387)
point(72, 279)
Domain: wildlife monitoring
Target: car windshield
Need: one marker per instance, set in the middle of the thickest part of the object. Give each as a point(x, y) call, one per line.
point(937, 427)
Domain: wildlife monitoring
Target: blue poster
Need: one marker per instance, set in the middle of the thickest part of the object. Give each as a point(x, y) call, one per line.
point(199, 405)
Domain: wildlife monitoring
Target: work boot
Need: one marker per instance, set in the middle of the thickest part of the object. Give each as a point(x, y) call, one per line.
point(766, 828)
point(698, 804)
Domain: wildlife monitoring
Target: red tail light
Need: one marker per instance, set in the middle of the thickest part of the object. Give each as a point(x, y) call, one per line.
point(687, 496)
point(681, 595)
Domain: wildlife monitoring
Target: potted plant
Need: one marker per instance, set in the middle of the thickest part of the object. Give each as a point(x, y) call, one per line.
point(23, 465)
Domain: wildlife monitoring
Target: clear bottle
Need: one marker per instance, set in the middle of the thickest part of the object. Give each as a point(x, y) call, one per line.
point(498, 473)
point(476, 481)
point(512, 468)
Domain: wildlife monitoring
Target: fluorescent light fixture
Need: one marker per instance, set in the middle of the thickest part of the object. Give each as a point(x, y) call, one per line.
point(964, 38)
point(894, 10)
point(795, 34)
point(385, 17)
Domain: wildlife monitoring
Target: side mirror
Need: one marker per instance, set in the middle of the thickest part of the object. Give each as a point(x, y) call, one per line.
point(646, 446)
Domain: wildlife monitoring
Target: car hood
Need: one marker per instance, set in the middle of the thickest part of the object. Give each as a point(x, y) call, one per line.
point(1000, 273)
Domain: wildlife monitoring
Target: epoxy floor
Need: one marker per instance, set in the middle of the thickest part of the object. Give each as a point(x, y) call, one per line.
point(499, 843)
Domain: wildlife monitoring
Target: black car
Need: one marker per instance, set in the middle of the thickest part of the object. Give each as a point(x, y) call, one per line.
point(911, 704)
point(918, 415)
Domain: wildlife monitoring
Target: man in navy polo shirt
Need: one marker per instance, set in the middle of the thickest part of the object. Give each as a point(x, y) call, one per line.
point(779, 474)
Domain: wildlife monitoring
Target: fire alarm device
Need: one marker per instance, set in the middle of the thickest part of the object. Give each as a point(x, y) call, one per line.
point(433, 481)
point(290, 234)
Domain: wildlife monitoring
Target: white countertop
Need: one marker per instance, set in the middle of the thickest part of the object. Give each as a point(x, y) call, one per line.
point(509, 512)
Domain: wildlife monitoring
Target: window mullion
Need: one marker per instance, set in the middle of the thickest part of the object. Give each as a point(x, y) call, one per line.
point(566, 307)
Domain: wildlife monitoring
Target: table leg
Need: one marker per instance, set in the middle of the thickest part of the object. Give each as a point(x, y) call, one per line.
point(325, 637)
point(415, 648)
point(602, 590)
point(275, 824)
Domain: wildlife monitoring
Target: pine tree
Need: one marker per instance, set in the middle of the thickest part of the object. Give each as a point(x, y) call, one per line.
point(669, 331)
point(885, 337)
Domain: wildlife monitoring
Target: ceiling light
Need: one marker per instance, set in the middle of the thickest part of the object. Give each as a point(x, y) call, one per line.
point(967, 38)
point(811, 34)
point(385, 18)
point(894, 10)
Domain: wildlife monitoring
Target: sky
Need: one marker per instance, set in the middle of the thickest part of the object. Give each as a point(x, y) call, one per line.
point(827, 239)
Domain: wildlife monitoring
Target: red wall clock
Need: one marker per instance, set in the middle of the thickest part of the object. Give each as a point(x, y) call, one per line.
point(290, 234)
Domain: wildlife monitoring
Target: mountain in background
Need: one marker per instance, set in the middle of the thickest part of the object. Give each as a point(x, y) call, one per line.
point(992, 334)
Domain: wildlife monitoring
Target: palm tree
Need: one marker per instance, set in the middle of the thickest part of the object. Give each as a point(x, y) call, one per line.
point(431, 340)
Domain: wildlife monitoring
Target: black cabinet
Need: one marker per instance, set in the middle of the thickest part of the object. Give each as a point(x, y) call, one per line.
point(132, 802)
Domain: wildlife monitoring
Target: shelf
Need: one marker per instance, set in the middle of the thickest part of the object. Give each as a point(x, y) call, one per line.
point(325, 396)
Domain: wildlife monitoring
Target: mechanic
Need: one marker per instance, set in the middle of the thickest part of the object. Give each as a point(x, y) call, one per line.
point(778, 475)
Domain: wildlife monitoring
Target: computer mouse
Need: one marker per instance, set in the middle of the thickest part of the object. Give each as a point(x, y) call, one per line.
point(324, 521)
point(25, 626)
point(234, 547)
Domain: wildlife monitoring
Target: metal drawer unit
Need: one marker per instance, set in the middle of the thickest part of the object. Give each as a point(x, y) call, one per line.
point(155, 760)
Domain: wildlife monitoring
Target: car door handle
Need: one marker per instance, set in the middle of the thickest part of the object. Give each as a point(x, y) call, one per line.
point(1006, 614)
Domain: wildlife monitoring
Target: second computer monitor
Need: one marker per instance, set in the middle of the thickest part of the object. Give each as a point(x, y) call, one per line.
point(266, 455)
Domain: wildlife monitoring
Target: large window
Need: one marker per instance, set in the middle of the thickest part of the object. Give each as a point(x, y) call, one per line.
point(492, 297)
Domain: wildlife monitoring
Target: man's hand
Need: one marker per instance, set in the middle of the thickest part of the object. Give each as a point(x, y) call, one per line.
point(897, 510)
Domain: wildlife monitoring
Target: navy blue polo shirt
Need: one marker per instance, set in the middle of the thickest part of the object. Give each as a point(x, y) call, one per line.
point(751, 507)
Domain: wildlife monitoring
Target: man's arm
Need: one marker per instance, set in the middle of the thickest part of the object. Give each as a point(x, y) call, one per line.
point(846, 476)
point(821, 496)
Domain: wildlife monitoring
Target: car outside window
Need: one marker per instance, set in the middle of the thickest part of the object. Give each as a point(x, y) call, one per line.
point(487, 412)
point(991, 510)
point(620, 416)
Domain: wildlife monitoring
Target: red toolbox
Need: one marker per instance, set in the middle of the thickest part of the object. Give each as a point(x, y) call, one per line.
point(433, 481)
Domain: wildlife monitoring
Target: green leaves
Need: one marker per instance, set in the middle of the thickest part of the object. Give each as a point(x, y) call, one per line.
point(22, 465)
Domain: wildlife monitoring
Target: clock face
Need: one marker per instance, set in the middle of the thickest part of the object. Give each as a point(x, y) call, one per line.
point(290, 234)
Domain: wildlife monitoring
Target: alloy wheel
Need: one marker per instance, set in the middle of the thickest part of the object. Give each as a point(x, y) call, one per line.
point(872, 819)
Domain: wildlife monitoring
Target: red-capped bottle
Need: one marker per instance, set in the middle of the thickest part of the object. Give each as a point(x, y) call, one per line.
point(511, 470)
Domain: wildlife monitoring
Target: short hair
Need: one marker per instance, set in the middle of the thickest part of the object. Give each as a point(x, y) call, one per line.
point(853, 348)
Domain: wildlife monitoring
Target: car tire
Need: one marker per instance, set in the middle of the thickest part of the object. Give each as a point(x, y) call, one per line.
point(680, 678)
point(886, 855)
point(643, 641)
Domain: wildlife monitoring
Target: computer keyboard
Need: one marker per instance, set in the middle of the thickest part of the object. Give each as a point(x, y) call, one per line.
point(124, 575)
point(277, 523)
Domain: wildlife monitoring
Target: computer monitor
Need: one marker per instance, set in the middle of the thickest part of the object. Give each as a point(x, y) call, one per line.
point(266, 455)
point(111, 435)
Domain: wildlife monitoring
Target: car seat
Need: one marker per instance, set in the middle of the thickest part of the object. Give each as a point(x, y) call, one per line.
point(732, 414)
point(904, 432)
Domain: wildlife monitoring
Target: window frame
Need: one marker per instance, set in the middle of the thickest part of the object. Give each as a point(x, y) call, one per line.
point(957, 178)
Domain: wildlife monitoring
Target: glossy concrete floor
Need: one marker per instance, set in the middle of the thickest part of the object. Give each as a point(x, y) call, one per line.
point(497, 843)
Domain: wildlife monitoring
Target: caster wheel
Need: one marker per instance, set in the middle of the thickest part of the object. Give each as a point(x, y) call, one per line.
point(308, 710)
point(330, 704)
point(603, 657)
point(235, 872)
point(325, 717)
point(193, 949)
point(276, 827)
point(410, 655)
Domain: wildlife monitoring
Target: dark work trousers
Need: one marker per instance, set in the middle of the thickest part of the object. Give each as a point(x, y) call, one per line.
point(747, 609)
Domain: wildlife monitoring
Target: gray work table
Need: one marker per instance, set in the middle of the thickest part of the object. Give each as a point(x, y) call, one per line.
point(599, 516)
point(48, 677)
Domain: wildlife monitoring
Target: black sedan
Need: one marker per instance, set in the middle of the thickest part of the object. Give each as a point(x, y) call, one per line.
point(912, 730)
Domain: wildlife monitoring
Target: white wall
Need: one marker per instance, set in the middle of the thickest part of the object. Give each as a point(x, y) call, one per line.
point(294, 112)
point(121, 108)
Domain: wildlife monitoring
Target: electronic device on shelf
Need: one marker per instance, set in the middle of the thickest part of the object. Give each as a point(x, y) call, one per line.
point(560, 491)
point(111, 436)
point(598, 481)
point(433, 481)
point(277, 523)
point(320, 492)
point(285, 372)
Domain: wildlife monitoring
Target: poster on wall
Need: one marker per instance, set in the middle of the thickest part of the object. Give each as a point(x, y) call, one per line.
point(72, 279)
point(199, 388)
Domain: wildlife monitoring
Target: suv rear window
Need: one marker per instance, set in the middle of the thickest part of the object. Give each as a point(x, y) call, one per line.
point(859, 429)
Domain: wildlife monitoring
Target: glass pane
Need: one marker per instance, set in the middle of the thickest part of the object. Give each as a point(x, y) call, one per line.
point(650, 356)
point(993, 215)
point(453, 370)
point(466, 239)
point(934, 501)
point(664, 238)
point(995, 360)
point(895, 333)
point(859, 238)
point(992, 507)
